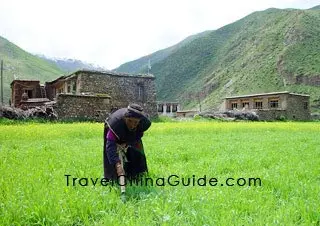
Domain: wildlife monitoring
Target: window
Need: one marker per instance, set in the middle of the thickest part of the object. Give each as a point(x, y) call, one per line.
point(74, 87)
point(234, 105)
point(305, 105)
point(140, 93)
point(160, 108)
point(258, 104)
point(174, 108)
point(245, 104)
point(273, 103)
point(69, 88)
point(29, 92)
point(168, 108)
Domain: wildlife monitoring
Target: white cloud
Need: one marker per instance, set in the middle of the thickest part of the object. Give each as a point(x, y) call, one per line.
point(109, 33)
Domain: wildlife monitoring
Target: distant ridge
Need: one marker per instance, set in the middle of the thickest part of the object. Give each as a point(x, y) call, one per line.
point(266, 51)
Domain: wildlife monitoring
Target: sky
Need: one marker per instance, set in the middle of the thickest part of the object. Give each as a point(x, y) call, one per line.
point(109, 33)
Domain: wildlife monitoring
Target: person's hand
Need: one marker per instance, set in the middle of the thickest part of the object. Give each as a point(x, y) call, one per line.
point(124, 145)
point(119, 169)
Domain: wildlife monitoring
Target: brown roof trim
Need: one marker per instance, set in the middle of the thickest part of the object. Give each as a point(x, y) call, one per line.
point(267, 94)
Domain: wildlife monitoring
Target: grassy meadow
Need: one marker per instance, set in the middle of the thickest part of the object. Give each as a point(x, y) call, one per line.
point(35, 157)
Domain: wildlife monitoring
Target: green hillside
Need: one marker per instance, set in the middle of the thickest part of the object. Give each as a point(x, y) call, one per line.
point(270, 50)
point(141, 65)
point(22, 65)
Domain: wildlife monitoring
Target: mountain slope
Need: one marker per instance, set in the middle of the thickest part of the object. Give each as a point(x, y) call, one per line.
point(270, 50)
point(22, 65)
point(141, 65)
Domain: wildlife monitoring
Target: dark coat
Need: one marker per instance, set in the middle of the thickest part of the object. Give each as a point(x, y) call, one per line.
point(137, 163)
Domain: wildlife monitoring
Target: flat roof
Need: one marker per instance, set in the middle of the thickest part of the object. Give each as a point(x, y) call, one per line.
point(267, 94)
point(112, 73)
point(18, 80)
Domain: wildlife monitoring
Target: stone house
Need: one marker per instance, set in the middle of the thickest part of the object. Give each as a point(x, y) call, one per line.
point(271, 106)
point(27, 93)
point(91, 94)
point(87, 93)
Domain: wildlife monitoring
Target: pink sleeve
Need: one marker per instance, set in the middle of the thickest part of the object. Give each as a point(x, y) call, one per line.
point(111, 136)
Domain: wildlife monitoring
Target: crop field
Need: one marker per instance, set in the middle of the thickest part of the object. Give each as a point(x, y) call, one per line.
point(200, 173)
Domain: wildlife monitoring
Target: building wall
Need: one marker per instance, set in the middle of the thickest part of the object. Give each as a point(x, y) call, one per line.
point(24, 105)
point(19, 87)
point(50, 91)
point(53, 89)
point(79, 106)
point(290, 106)
point(269, 115)
point(298, 107)
point(251, 100)
point(122, 89)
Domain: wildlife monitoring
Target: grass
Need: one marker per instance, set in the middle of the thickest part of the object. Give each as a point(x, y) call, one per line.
point(34, 157)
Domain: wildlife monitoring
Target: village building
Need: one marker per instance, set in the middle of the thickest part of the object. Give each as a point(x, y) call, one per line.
point(91, 94)
point(27, 94)
point(168, 108)
point(272, 106)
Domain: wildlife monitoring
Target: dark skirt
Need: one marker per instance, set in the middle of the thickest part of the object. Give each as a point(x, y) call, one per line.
point(135, 165)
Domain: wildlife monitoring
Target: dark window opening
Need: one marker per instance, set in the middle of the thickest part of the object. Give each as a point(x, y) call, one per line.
point(234, 105)
point(258, 104)
point(29, 92)
point(168, 108)
point(140, 93)
point(274, 103)
point(174, 108)
point(245, 104)
point(160, 108)
point(74, 87)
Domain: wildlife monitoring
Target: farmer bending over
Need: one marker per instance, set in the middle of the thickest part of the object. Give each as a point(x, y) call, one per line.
point(123, 152)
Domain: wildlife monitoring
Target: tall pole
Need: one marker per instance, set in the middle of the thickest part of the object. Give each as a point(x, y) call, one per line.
point(149, 66)
point(1, 82)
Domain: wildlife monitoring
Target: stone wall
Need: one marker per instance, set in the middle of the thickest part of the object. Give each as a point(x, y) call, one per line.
point(70, 106)
point(123, 89)
point(271, 115)
point(298, 107)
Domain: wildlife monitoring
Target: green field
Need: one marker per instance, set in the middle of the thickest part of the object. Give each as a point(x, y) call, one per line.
point(35, 157)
